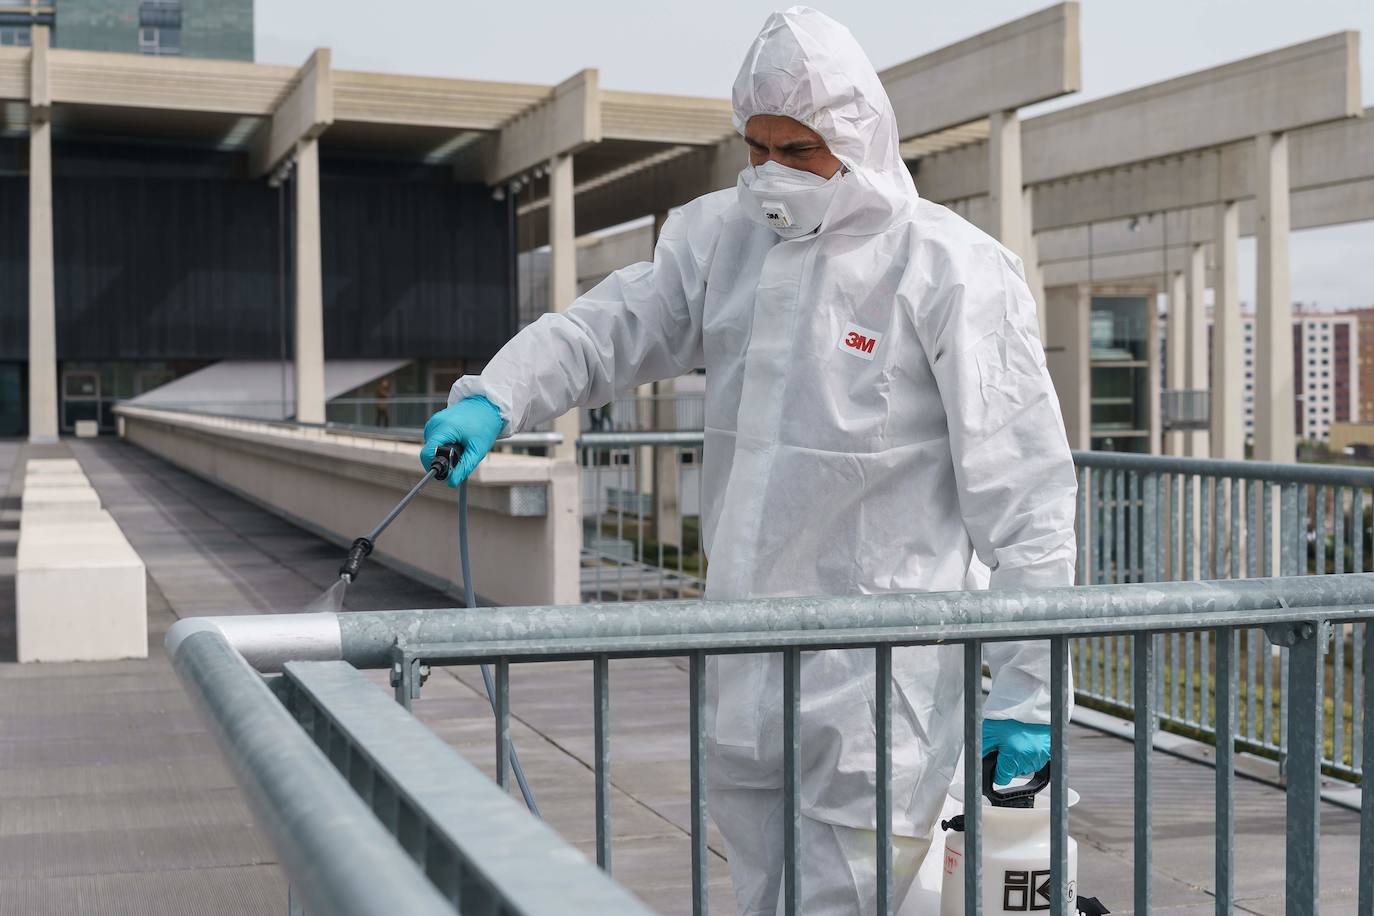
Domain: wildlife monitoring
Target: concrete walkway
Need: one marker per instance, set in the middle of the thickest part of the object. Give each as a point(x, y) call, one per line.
point(113, 798)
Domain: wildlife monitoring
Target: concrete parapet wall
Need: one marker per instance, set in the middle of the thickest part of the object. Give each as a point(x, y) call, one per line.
point(524, 516)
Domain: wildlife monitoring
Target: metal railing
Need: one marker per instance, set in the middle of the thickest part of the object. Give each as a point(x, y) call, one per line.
point(481, 852)
point(1149, 519)
point(641, 516)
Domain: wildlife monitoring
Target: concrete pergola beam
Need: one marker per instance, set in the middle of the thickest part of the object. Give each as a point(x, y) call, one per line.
point(303, 113)
point(565, 122)
point(1296, 86)
point(1183, 142)
point(1020, 63)
point(1120, 253)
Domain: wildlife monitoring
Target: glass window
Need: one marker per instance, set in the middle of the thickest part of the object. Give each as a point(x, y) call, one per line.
point(15, 36)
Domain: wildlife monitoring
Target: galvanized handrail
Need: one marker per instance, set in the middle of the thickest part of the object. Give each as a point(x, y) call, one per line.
point(1297, 612)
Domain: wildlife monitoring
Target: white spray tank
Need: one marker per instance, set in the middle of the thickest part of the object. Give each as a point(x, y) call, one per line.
point(1016, 850)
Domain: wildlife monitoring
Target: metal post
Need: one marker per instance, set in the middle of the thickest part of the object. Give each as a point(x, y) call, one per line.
point(1303, 690)
point(1225, 773)
point(1367, 782)
point(696, 673)
point(1143, 672)
point(973, 773)
point(1059, 776)
point(601, 700)
point(883, 724)
point(791, 780)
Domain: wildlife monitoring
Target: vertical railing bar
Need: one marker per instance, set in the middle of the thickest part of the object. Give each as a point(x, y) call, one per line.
point(1189, 660)
point(1119, 523)
point(1358, 633)
point(1337, 656)
point(1267, 547)
point(1303, 818)
point(1149, 554)
point(1226, 641)
point(1133, 542)
point(1235, 528)
point(696, 674)
point(1338, 530)
point(1218, 528)
point(1175, 520)
point(503, 723)
point(1099, 533)
point(1319, 542)
point(1204, 678)
point(1253, 536)
point(883, 692)
point(1367, 781)
point(1108, 535)
point(1161, 481)
point(791, 779)
point(1188, 568)
point(1060, 688)
point(1175, 651)
point(1204, 540)
point(601, 702)
point(973, 771)
point(1357, 535)
point(1081, 534)
point(1142, 670)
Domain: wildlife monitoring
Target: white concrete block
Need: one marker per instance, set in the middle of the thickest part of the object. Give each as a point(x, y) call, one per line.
point(51, 466)
point(87, 429)
point(83, 604)
point(90, 528)
point(38, 498)
point(56, 479)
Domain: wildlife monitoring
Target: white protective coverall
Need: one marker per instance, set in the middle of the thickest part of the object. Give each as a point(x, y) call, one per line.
point(916, 465)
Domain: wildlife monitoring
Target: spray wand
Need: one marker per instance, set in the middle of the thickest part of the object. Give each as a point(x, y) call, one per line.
point(445, 460)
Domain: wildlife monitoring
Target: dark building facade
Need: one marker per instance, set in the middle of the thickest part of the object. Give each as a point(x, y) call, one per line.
point(167, 259)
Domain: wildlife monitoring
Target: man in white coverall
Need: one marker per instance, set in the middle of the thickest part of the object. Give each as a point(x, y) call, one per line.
point(878, 419)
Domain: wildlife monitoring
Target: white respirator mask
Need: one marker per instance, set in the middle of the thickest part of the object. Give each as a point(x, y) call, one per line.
point(790, 202)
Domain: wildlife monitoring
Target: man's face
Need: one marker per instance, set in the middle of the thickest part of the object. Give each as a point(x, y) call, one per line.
point(790, 143)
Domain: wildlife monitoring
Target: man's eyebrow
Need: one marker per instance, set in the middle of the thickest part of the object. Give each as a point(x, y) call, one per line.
point(753, 142)
point(800, 143)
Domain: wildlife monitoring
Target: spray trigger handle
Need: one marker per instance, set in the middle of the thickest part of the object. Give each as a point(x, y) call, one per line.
point(445, 460)
point(1022, 796)
point(356, 554)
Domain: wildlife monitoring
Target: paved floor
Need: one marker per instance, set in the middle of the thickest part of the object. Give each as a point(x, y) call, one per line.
point(113, 798)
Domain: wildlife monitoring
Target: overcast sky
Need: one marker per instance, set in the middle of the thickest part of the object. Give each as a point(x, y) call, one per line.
point(695, 48)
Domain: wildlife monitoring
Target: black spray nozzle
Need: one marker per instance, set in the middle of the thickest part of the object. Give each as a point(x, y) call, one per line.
point(445, 460)
point(354, 561)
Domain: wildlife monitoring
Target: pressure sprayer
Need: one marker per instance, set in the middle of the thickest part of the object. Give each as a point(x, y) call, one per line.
point(445, 459)
point(1015, 836)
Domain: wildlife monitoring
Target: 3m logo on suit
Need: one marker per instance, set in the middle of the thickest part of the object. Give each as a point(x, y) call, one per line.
point(860, 342)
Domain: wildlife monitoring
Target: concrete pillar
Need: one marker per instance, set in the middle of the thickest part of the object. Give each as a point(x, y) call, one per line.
point(1275, 435)
point(1176, 343)
point(1228, 338)
point(1006, 221)
point(1153, 356)
point(1196, 368)
point(667, 483)
point(309, 326)
point(1030, 259)
point(42, 297)
point(1068, 356)
point(563, 273)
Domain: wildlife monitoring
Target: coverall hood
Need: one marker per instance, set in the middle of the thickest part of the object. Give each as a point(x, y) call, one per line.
point(806, 66)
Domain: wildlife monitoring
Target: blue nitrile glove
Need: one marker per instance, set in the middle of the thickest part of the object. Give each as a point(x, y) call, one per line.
point(1022, 749)
point(474, 423)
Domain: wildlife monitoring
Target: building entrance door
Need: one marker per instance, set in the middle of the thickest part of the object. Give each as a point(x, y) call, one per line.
point(80, 397)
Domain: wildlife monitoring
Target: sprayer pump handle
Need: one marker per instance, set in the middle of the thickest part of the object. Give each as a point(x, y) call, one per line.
point(1022, 796)
point(445, 460)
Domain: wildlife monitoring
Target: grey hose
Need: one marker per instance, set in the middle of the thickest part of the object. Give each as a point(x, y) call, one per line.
point(470, 599)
